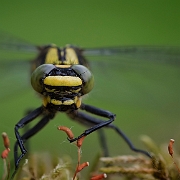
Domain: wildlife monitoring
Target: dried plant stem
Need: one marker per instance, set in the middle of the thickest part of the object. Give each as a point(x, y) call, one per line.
point(5, 170)
point(134, 170)
point(125, 159)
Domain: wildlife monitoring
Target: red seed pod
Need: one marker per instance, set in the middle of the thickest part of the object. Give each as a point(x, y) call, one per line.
point(82, 166)
point(5, 153)
point(67, 131)
point(5, 140)
point(80, 141)
point(170, 147)
point(98, 177)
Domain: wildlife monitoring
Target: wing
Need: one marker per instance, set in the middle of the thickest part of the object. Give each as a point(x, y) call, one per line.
point(156, 67)
point(15, 57)
point(141, 85)
point(163, 54)
point(9, 42)
point(138, 83)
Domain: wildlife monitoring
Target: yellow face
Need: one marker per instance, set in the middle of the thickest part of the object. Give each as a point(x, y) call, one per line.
point(62, 81)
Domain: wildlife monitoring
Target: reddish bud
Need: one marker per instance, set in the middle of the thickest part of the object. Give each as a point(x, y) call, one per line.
point(98, 177)
point(80, 141)
point(5, 140)
point(67, 131)
point(5, 153)
point(170, 147)
point(82, 166)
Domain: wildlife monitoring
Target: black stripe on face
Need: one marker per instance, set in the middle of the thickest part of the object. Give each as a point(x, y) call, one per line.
point(59, 54)
point(63, 58)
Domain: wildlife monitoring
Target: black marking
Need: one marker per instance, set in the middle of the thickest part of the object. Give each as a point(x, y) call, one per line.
point(63, 58)
point(62, 91)
point(58, 71)
point(63, 108)
point(59, 54)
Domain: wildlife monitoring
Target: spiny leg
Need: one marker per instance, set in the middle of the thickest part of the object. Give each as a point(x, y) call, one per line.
point(32, 131)
point(27, 127)
point(88, 121)
point(98, 123)
point(127, 140)
point(85, 120)
point(21, 124)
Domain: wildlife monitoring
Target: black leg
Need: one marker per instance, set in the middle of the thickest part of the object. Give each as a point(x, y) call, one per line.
point(31, 132)
point(126, 139)
point(98, 123)
point(21, 124)
point(27, 127)
point(88, 121)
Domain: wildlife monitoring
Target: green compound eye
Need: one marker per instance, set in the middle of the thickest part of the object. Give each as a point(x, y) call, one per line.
point(86, 76)
point(39, 74)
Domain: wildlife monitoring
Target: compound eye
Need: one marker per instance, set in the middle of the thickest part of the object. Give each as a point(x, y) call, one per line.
point(86, 76)
point(38, 75)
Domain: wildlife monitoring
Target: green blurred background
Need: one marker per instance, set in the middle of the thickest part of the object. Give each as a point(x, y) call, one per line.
point(144, 96)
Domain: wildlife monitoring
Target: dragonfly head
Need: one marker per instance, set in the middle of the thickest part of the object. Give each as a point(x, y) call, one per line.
point(62, 85)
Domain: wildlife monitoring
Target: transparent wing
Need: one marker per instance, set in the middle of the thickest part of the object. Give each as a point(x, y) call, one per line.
point(15, 57)
point(139, 83)
point(14, 78)
point(143, 74)
point(9, 42)
point(166, 54)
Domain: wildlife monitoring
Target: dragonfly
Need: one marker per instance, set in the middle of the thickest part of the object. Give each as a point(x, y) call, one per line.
point(62, 76)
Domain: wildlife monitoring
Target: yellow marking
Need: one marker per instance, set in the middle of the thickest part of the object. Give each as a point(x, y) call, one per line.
point(58, 102)
point(63, 66)
point(75, 91)
point(45, 101)
point(48, 99)
point(52, 56)
point(68, 102)
point(71, 57)
point(62, 81)
point(50, 90)
point(77, 101)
